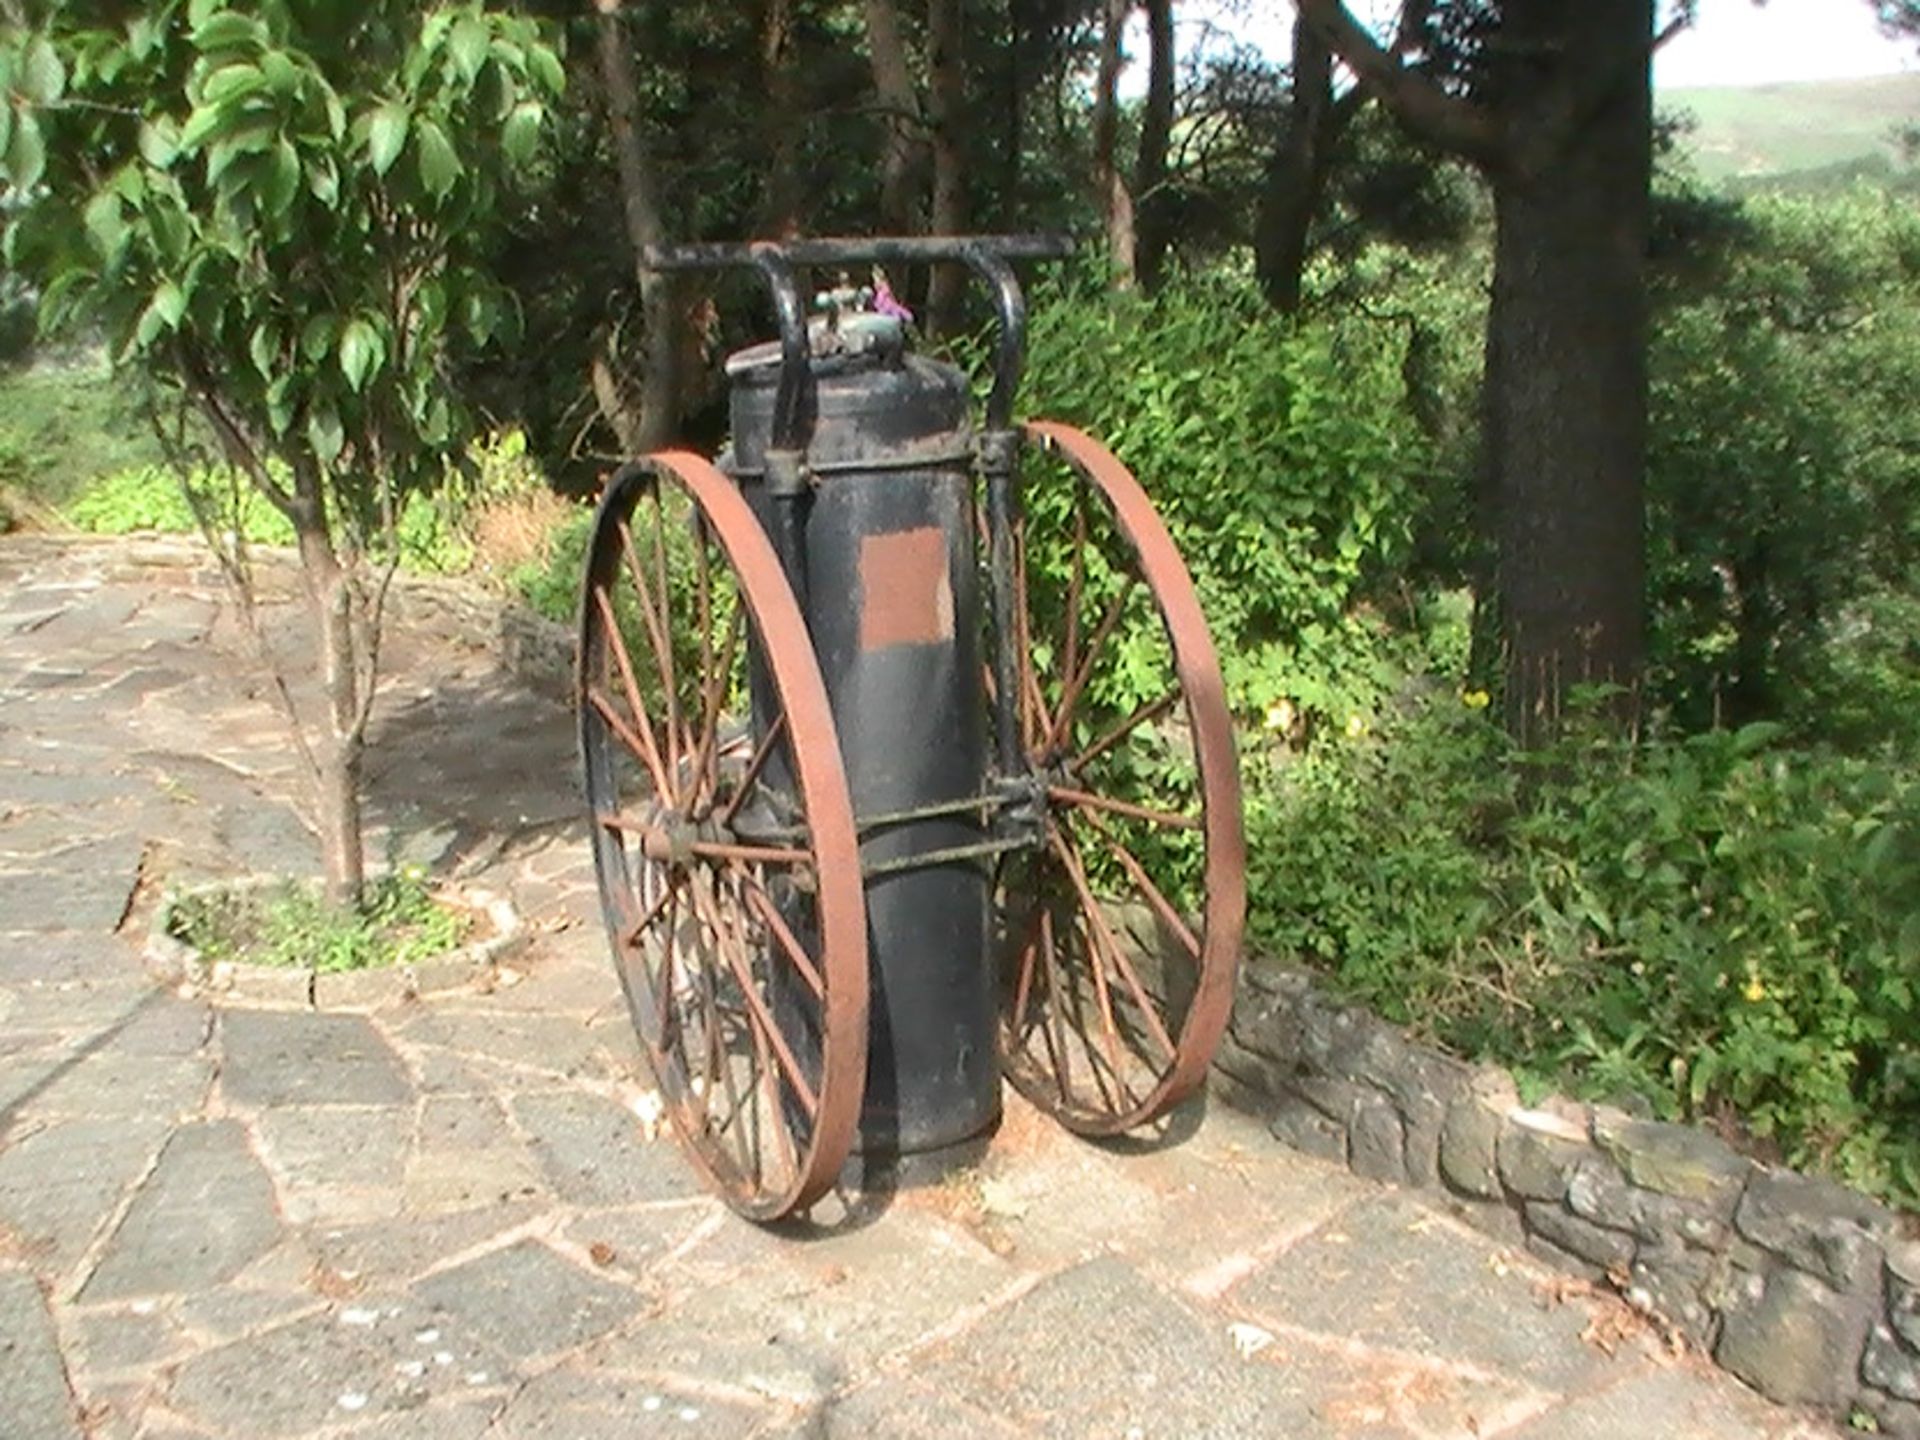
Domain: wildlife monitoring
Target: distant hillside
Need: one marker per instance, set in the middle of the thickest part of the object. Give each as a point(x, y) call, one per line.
point(1830, 126)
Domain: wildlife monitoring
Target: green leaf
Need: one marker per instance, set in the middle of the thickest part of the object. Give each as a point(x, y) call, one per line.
point(439, 164)
point(316, 338)
point(203, 123)
point(325, 434)
point(283, 178)
point(323, 181)
point(547, 71)
point(232, 82)
point(263, 349)
point(42, 79)
point(481, 315)
point(162, 313)
point(386, 134)
point(436, 426)
point(26, 153)
point(159, 141)
point(521, 135)
point(225, 30)
point(106, 225)
point(143, 32)
point(6, 119)
point(283, 76)
point(468, 46)
point(254, 140)
point(336, 113)
point(171, 230)
point(361, 353)
point(170, 301)
point(434, 30)
point(280, 403)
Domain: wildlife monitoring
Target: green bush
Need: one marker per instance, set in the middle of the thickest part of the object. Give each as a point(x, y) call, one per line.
point(397, 923)
point(1722, 924)
point(1783, 492)
point(1284, 459)
point(64, 426)
point(435, 532)
point(154, 497)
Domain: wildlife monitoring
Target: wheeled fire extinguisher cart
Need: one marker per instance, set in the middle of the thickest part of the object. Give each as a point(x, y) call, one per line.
point(907, 755)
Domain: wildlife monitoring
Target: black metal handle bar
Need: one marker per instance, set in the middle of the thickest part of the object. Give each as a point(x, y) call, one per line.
point(985, 255)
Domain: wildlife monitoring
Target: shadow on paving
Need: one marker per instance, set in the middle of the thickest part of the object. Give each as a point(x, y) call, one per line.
point(458, 767)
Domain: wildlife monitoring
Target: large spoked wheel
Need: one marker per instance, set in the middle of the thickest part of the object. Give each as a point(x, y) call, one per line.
point(1119, 933)
point(723, 835)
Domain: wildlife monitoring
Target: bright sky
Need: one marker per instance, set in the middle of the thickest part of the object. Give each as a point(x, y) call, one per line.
point(1739, 43)
point(1735, 42)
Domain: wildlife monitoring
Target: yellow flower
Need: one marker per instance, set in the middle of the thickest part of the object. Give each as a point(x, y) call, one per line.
point(1755, 991)
point(1356, 727)
point(1280, 715)
point(1475, 699)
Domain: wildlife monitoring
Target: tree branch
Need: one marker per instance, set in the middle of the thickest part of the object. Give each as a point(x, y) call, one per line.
point(1416, 102)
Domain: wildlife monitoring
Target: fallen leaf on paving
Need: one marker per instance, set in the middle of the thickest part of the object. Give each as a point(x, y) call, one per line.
point(1248, 1339)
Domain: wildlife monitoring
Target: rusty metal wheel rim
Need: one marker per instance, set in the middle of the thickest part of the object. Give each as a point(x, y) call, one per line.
point(1166, 1055)
point(747, 950)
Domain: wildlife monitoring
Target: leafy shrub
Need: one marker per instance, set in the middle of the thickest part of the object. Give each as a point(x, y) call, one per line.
point(438, 533)
point(154, 497)
point(1283, 458)
point(1783, 494)
point(398, 922)
point(62, 426)
point(1722, 924)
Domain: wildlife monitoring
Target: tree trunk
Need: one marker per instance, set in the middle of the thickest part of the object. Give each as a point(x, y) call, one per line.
point(659, 389)
point(1566, 383)
point(946, 93)
point(1116, 204)
point(782, 121)
point(1297, 173)
point(1014, 116)
point(337, 758)
point(893, 87)
point(1154, 217)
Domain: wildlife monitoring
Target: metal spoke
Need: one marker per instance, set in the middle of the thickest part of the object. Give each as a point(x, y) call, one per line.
point(758, 1013)
point(1056, 1003)
point(1038, 720)
point(1063, 719)
point(1163, 907)
point(641, 742)
point(666, 634)
point(1144, 714)
point(769, 914)
point(1076, 579)
point(1068, 796)
point(652, 618)
point(754, 767)
point(758, 854)
point(631, 936)
point(1098, 929)
point(712, 698)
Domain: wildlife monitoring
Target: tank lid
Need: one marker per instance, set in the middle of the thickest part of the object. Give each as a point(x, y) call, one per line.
point(874, 339)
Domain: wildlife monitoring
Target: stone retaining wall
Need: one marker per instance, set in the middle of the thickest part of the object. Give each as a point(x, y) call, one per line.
point(1799, 1286)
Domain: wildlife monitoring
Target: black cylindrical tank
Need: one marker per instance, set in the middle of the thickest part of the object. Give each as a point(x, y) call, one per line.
point(891, 598)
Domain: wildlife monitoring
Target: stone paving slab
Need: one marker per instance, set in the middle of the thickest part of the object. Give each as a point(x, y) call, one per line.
point(456, 1218)
point(204, 1215)
point(38, 1405)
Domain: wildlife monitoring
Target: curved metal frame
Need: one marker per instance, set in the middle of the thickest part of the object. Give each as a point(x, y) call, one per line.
point(1224, 916)
point(794, 675)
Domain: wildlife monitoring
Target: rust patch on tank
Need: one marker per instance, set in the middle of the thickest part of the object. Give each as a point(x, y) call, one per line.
point(906, 594)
